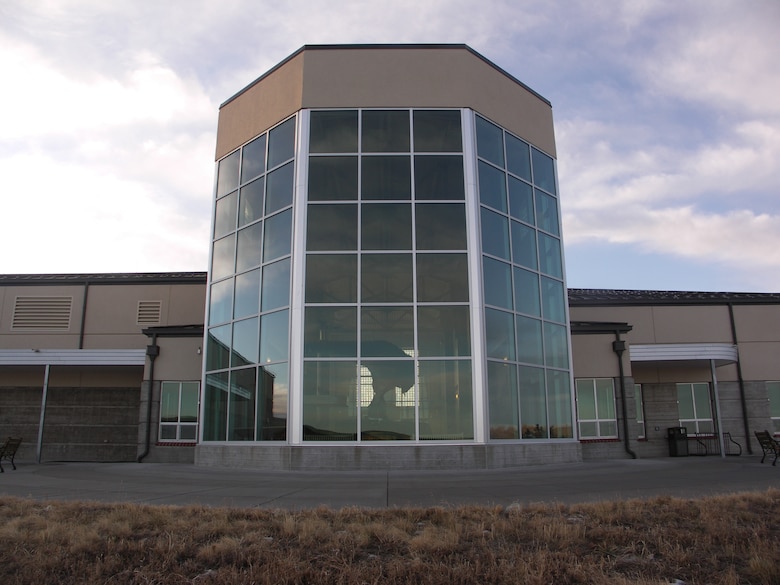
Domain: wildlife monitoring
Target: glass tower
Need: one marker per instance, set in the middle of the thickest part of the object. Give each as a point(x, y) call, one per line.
point(386, 275)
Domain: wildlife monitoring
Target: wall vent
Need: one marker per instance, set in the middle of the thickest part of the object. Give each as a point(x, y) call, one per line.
point(149, 312)
point(42, 313)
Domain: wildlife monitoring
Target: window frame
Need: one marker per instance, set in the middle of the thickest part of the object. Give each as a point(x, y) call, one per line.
point(773, 388)
point(696, 420)
point(179, 424)
point(600, 418)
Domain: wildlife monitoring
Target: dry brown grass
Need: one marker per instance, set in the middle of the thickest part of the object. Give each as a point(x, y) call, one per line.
point(719, 540)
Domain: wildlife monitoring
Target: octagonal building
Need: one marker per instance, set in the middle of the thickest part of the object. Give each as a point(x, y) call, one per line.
point(386, 281)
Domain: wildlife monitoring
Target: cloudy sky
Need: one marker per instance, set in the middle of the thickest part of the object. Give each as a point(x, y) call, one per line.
point(667, 116)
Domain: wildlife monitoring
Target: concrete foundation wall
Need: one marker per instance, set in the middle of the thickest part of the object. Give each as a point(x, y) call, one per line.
point(378, 457)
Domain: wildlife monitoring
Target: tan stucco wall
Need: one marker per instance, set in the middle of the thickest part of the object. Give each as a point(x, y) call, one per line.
point(451, 77)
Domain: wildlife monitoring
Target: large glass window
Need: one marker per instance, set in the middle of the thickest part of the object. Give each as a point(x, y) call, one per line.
point(694, 408)
point(387, 338)
point(596, 415)
point(250, 295)
point(520, 225)
point(179, 411)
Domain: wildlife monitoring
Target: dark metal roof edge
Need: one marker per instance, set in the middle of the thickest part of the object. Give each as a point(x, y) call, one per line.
point(104, 278)
point(174, 331)
point(366, 46)
point(599, 327)
point(610, 297)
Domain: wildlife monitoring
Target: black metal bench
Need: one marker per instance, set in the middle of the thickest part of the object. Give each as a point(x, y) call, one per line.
point(8, 451)
point(768, 444)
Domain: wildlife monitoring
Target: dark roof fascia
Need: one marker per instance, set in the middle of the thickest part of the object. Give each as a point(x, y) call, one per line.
point(103, 278)
point(174, 331)
point(613, 298)
point(384, 46)
point(598, 327)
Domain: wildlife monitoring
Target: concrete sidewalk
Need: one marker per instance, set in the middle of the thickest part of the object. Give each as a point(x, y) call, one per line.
point(164, 484)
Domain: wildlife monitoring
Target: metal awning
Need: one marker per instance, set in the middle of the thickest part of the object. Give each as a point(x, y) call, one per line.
point(720, 353)
point(72, 357)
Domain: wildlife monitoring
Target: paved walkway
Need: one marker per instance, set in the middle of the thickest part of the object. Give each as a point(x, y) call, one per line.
point(163, 484)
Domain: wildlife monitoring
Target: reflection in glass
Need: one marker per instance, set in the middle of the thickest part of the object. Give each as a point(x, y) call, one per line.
point(279, 188)
point(386, 331)
point(490, 142)
point(550, 256)
point(251, 202)
point(446, 400)
point(386, 177)
point(220, 303)
point(442, 278)
point(517, 157)
point(253, 159)
point(495, 234)
point(492, 186)
point(437, 131)
point(333, 131)
point(440, 226)
point(386, 226)
point(225, 215)
point(527, 292)
point(524, 245)
point(245, 342)
point(227, 174)
point(331, 278)
point(331, 227)
point(243, 385)
point(553, 300)
point(333, 178)
point(169, 403)
point(547, 213)
point(278, 233)
point(223, 257)
point(500, 334)
point(389, 386)
point(190, 392)
point(215, 396)
point(247, 294)
point(217, 348)
point(497, 283)
point(502, 401)
point(281, 143)
point(274, 332)
point(385, 131)
point(330, 332)
point(250, 240)
point(438, 177)
point(533, 403)
point(559, 404)
point(386, 278)
point(330, 400)
point(443, 331)
point(272, 398)
point(521, 201)
point(556, 348)
point(544, 171)
point(529, 340)
point(276, 285)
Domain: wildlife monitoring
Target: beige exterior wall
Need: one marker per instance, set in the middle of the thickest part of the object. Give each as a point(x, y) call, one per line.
point(362, 77)
point(593, 357)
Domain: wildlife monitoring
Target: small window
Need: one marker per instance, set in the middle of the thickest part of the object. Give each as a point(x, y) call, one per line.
point(694, 408)
point(640, 410)
point(773, 389)
point(179, 411)
point(596, 408)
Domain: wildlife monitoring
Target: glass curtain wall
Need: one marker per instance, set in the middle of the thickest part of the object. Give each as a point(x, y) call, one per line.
point(386, 333)
point(247, 343)
point(526, 332)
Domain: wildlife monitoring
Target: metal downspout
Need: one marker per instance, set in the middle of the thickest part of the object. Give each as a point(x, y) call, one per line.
point(83, 314)
point(619, 347)
point(742, 399)
point(152, 350)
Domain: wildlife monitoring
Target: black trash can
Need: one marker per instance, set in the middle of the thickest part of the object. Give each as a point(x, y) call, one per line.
point(678, 441)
